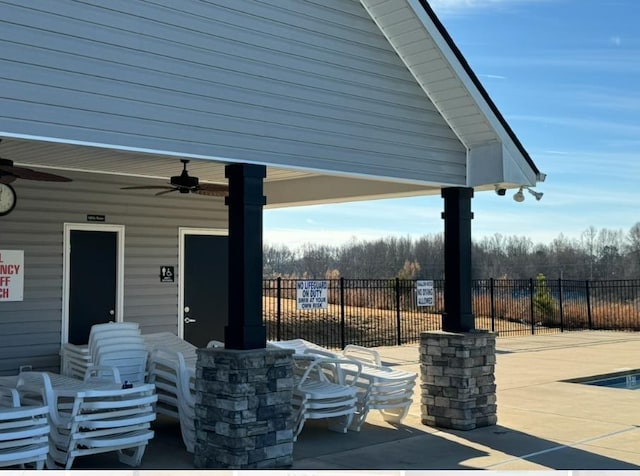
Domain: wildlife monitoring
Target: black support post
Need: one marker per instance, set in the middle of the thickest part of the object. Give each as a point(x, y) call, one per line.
point(245, 329)
point(457, 316)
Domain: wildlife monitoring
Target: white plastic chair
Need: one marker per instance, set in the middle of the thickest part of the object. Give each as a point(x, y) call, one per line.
point(128, 357)
point(381, 388)
point(319, 393)
point(75, 359)
point(171, 342)
point(24, 431)
point(175, 386)
point(87, 421)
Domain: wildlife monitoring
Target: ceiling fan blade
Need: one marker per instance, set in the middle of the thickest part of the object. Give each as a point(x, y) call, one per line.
point(212, 189)
point(29, 174)
point(147, 187)
point(7, 179)
point(167, 191)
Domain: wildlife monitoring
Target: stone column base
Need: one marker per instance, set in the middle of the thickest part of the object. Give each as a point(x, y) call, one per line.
point(243, 409)
point(458, 381)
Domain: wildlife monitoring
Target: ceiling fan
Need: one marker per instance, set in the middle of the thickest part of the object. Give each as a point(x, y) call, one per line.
point(9, 173)
point(184, 183)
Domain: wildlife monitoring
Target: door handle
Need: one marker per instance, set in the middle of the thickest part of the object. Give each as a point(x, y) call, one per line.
point(188, 320)
point(112, 312)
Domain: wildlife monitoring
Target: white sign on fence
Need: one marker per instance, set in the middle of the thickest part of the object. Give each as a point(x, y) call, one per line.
point(11, 275)
point(311, 294)
point(424, 293)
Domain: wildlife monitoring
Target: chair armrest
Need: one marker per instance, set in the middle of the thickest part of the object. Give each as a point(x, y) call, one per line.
point(320, 352)
point(9, 397)
point(102, 374)
point(362, 354)
point(316, 371)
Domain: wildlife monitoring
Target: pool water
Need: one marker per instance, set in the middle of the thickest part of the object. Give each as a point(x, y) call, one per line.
point(628, 381)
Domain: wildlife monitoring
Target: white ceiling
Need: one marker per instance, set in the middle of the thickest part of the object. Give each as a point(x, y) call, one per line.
point(283, 186)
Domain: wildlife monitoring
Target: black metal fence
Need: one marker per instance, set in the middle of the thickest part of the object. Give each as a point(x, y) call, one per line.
point(377, 312)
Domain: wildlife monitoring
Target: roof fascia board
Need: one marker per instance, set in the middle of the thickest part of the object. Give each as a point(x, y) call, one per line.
point(453, 58)
point(464, 72)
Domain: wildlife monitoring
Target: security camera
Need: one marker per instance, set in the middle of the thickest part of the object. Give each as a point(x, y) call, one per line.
point(501, 191)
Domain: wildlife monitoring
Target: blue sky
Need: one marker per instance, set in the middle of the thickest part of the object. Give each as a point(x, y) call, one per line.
point(566, 76)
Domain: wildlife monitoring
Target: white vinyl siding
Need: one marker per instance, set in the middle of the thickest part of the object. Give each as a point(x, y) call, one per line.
point(30, 330)
point(311, 84)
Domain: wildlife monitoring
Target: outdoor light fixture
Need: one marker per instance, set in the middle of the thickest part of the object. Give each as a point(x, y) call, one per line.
point(538, 195)
point(519, 195)
point(500, 191)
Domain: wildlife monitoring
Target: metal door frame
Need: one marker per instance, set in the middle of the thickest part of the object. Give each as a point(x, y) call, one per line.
point(66, 266)
point(182, 233)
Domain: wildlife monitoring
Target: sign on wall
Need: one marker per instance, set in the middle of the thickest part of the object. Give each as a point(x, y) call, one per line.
point(312, 295)
point(424, 293)
point(11, 275)
point(167, 274)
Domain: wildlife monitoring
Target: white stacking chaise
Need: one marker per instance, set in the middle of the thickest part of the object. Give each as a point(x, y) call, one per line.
point(319, 393)
point(380, 387)
point(94, 416)
point(76, 359)
point(24, 432)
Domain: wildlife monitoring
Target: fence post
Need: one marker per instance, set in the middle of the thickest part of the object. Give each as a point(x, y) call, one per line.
point(560, 299)
point(279, 309)
point(589, 305)
point(532, 307)
point(342, 323)
point(399, 333)
point(493, 305)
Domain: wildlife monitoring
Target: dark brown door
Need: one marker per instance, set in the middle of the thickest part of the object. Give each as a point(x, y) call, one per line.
point(92, 281)
point(205, 288)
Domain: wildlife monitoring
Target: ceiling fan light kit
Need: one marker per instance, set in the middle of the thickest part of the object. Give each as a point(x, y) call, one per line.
point(185, 183)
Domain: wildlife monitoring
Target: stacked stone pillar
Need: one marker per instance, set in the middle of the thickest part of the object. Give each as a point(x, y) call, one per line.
point(243, 409)
point(458, 381)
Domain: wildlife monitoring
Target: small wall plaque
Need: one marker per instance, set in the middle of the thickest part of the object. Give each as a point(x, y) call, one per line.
point(96, 217)
point(166, 274)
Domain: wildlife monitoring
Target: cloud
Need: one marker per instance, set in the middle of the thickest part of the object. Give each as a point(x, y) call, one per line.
point(615, 40)
point(492, 76)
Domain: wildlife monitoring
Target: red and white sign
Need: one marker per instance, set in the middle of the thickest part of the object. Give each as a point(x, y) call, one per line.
point(11, 275)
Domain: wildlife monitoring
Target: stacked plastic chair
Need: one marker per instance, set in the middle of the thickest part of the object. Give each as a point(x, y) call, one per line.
point(320, 393)
point(24, 432)
point(76, 359)
point(116, 344)
point(171, 342)
point(382, 388)
point(175, 383)
point(379, 387)
point(97, 421)
point(172, 364)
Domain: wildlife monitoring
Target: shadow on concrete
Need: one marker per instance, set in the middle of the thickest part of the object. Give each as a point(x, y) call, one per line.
point(404, 448)
point(549, 454)
point(397, 447)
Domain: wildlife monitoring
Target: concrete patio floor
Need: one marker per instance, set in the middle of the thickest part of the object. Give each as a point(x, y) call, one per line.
point(543, 422)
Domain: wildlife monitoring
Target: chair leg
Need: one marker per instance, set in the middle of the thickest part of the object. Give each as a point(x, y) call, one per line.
point(362, 410)
point(134, 457)
point(298, 424)
point(69, 462)
point(341, 423)
point(394, 415)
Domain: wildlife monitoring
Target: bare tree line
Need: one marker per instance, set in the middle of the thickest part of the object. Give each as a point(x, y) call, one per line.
point(599, 254)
